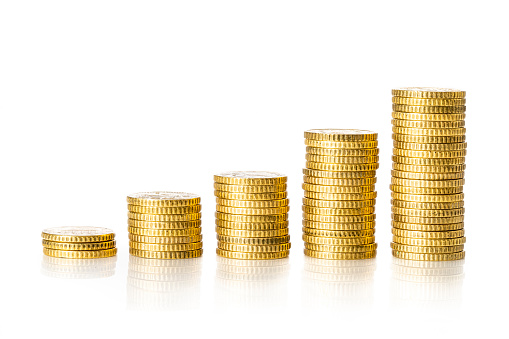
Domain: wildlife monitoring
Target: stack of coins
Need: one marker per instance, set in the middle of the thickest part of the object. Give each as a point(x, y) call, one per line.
point(428, 173)
point(80, 242)
point(252, 215)
point(339, 194)
point(164, 225)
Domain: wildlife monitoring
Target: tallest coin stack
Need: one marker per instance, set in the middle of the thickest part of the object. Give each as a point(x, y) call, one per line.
point(428, 173)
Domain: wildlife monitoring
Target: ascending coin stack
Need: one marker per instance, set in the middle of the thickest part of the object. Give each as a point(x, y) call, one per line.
point(428, 173)
point(80, 242)
point(252, 215)
point(339, 194)
point(164, 225)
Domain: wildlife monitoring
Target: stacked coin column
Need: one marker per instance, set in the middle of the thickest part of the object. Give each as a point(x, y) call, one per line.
point(252, 215)
point(339, 194)
point(164, 225)
point(428, 173)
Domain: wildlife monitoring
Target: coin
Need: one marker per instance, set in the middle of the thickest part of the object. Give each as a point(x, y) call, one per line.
point(259, 226)
point(427, 220)
point(338, 203)
point(252, 233)
point(342, 152)
point(338, 234)
point(428, 228)
point(165, 232)
point(251, 196)
point(339, 175)
point(252, 203)
point(429, 242)
point(429, 109)
point(434, 132)
point(427, 249)
point(341, 167)
point(339, 182)
point(427, 205)
point(428, 235)
point(164, 217)
point(254, 240)
point(428, 183)
point(428, 213)
point(163, 199)
point(252, 218)
point(88, 246)
point(429, 257)
point(427, 176)
point(337, 226)
point(429, 169)
point(341, 160)
point(428, 102)
point(340, 218)
point(338, 241)
point(334, 134)
point(338, 189)
point(346, 196)
point(348, 249)
point(428, 124)
point(252, 255)
point(428, 161)
point(430, 147)
point(429, 154)
point(253, 248)
point(338, 211)
point(165, 247)
point(80, 254)
point(78, 234)
point(164, 225)
point(340, 255)
point(428, 198)
point(428, 92)
point(252, 211)
point(426, 190)
point(164, 210)
point(427, 139)
point(428, 117)
point(166, 255)
point(250, 178)
point(165, 240)
point(341, 144)
point(250, 189)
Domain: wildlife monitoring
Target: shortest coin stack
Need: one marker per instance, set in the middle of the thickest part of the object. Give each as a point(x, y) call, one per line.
point(164, 225)
point(80, 242)
point(252, 215)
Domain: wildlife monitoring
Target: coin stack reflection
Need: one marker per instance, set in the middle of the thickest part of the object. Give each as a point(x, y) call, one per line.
point(164, 225)
point(64, 268)
point(339, 194)
point(428, 173)
point(252, 215)
point(79, 242)
point(159, 285)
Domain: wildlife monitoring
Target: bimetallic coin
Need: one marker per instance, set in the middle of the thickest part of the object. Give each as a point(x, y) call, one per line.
point(164, 210)
point(428, 102)
point(427, 228)
point(254, 241)
point(338, 234)
point(339, 255)
point(428, 124)
point(253, 248)
point(427, 205)
point(250, 189)
point(341, 160)
point(338, 241)
point(338, 203)
point(339, 175)
point(427, 176)
point(165, 240)
point(80, 254)
point(429, 242)
point(346, 196)
point(428, 213)
point(348, 249)
point(164, 217)
point(337, 226)
point(428, 93)
point(252, 211)
point(428, 139)
point(429, 257)
point(338, 211)
point(78, 234)
point(252, 203)
point(251, 196)
point(164, 225)
point(343, 152)
point(252, 233)
point(429, 154)
point(341, 167)
point(166, 255)
point(427, 220)
point(252, 218)
point(163, 199)
point(428, 235)
point(252, 255)
point(428, 117)
point(341, 144)
point(339, 218)
point(426, 190)
point(333, 134)
point(165, 247)
point(254, 226)
point(73, 246)
point(428, 183)
point(427, 249)
point(165, 232)
point(338, 189)
point(250, 178)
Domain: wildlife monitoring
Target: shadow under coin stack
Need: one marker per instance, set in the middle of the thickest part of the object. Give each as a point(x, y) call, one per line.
point(252, 215)
point(428, 173)
point(164, 225)
point(80, 242)
point(339, 194)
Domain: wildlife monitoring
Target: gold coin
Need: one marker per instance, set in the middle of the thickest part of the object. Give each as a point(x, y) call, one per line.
point(429, 109)
point(341, 144)
point(426, 190)
point(165, 232)
point(338, 203)
point(427, 176)
point(166, 255)
point(346, 196)
point(339, 175)
point(164, 210)
point(252, 218)
point(427, 249)
point(428, 92)
point(429, 169)
point(252, 178)
point(164, 217)
point(251, 196)
point(254, 241)
point(163, 199)
point(252, 233)
point(252, 203)
point(428, 183)
point(253, 248)
point(253, 226)
point(336, 226)
point(338, 241)
point(428, 161)
point(427, 228)
point(340, 256)
point(428, 117)
point(338, 234)
point(428, 205)
point(74, 246)
point(252, 255)
point(426, 139)
point(165, 240)
point(429, 242)
point(338, 189)
point(341, 160)
point(342, 152)
point(460, 146)
point(335, 134)
point(165, 247)
point(339, 182)
point(429, 154)
point(428, 102)
point(427, 220)
point(252, 211)
point(164, 225)
point(341, 167)
point(78, 234)
point(338, 211)
point(428, 235)
point(339, 218)
point(335, 249)
point(80, 254)
point(428, 198)
point(429, 257)
point(250, 189)
point(437, 132)
point(428, 213)
point(428, 124)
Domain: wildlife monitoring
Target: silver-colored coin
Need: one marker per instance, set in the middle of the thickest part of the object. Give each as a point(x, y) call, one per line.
point(163, 195)
point(84, 231)
point(250, 174)
point(339, 131)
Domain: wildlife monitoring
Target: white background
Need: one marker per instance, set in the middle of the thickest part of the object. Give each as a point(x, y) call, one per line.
point(100, 99)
